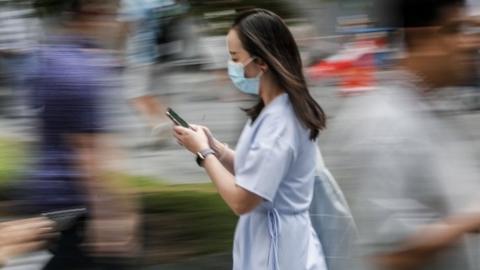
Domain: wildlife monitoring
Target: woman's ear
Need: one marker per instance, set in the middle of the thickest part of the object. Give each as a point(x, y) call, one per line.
point(262, 64)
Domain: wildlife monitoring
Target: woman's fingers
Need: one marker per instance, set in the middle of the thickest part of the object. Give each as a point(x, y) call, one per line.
point(195, 127)
point(178, 138)
point(198, 128)
point(181, 130)
point(191, 139)
point(209, 134)
point(176, 130)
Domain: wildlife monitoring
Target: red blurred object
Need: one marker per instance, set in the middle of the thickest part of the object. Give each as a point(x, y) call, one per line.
point(354, 67)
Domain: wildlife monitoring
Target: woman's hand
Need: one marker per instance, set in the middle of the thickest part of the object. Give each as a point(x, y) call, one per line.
point(214, 144)
point(194, 140)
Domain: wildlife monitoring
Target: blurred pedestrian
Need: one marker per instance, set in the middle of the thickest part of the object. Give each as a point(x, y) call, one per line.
point(268, 180)
point(19, 34)
point(68, 171)
point(140, 27)
point(418, 183)
point(175, 38)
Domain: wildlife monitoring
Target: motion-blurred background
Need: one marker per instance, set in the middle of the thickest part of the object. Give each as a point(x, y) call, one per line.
point(349, 47)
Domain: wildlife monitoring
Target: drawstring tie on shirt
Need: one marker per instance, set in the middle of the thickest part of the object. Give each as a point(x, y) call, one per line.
point(273, 220)
point(274, 227)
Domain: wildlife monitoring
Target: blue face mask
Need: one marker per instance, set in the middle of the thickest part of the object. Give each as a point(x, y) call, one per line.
point(236, 71)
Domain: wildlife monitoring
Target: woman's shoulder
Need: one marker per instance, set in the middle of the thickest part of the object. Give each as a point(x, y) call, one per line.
point(277, 128)
point(276, 121)
point(280, 111)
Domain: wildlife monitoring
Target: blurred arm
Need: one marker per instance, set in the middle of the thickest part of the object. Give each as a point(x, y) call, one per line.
point(427, 243)
point(125, 30)
point(93, 152)
point(114, 223)
point(85, 146)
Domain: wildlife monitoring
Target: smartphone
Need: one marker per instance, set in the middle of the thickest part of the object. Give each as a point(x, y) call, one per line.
point(176, 119)
point(65, 219)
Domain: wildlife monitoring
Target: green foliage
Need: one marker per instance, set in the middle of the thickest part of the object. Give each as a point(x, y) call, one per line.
point(186, 223)
point(11, 158)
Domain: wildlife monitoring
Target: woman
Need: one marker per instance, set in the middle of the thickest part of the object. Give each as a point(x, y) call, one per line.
point(268, 181)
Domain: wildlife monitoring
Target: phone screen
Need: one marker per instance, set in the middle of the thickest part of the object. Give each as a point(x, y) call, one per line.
point(177, 120)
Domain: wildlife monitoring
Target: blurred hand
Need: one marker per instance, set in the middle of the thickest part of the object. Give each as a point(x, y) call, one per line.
point(113, 236)
point(194, 140)
point(22, 236)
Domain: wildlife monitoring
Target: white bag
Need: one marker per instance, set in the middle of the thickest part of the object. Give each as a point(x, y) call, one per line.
point(332, 219)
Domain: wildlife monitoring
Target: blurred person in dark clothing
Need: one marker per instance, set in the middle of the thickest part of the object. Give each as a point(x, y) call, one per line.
point(417, 202)
point(70, 89)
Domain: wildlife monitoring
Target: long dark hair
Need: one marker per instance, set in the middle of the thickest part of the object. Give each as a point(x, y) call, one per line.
point(264, 35)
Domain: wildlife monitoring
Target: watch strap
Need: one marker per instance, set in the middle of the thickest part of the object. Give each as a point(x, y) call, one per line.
point(201, 155)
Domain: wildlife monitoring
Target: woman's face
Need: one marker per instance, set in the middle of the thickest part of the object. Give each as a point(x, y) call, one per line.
point(239, 55)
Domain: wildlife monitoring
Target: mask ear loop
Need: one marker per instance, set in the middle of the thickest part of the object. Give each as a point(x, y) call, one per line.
point(260, 74)
point(250, 61)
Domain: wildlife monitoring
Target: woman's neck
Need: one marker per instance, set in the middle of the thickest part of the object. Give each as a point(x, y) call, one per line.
point(269, 91)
